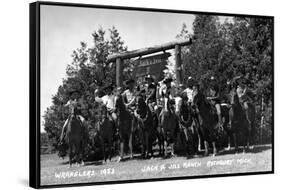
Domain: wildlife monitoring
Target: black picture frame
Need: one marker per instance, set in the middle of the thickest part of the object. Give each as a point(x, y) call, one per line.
point(34, 91)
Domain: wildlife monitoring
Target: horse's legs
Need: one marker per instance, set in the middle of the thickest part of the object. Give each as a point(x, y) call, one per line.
point(184, 139)
point(104, 151)
point(172, 141)
point(244, 146)
point(172, 149)
point(79, 153)
point(70, 155)
point(199, 142)
point(159, 136)
point(131, 145)
point(235, 142)
point(121, 151)
point(82, 148)
point(200, 137)
point(150, 140)
point(198, 132)
point(146, 143)
point(250, 136)
point(163, 143)
point(229, 143)
point(141, 134)
point(111, 145)
point(206, 144)
point(133, 123)
point(160, 144)
point(214, 148)
point(102, 148)
point(76, 154)
point(165, 147)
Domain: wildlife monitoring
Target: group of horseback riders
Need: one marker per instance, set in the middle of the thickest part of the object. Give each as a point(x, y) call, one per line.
point(163, 95)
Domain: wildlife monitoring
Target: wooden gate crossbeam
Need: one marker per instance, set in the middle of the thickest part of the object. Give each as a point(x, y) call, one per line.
point(118, 58)
point(149, 50)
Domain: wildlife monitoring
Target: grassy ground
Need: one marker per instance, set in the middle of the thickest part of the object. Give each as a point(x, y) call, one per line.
point(55, 170)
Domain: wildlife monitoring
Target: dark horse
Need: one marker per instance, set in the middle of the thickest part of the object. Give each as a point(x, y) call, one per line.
point(187, 127)
point(75, 138)
point(147, 130)
point(208, 118)
point(124, 126)
point(106, 133)
point(168, 126)
point(241, 121)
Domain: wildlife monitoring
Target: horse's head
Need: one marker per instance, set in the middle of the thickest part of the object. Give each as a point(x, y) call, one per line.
point(195, 96)
point(119, 103)
point(184, 98)
point(198, 99)
point(140, 103)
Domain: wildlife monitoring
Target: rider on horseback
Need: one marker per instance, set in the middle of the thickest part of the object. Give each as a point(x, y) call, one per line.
point(215, 99)
point(189, 90)
point(72, 105)
point(150, 92)
point(245, 95)
point(108, 100)
point(179, 97)
point(167, 91)
point(129, 95)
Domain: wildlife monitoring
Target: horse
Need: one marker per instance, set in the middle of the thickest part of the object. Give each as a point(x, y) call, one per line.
point(106, 131)
point(75, 138)
point(241, 123)
point(156, 123)
point(187, 127)
point(208, 119)
point(125, 124)
point(168, 126)
point(147, 129)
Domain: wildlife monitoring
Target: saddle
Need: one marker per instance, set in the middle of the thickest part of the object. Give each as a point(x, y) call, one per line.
point(131, 109)
point(213, 109)
point(225, 104)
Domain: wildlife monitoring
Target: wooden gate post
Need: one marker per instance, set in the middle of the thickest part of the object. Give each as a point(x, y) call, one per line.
point(119, 69)
point(178, 64)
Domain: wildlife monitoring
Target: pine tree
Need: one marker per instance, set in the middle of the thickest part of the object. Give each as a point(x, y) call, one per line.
point(87, 71)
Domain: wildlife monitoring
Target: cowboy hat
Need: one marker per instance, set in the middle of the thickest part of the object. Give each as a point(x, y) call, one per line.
point(167, 80)
point(181, 86)
point(149, 77)
point(109, 86)
point(129, 81)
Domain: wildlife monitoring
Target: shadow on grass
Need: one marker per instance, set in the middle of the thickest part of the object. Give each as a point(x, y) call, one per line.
point(256, 149)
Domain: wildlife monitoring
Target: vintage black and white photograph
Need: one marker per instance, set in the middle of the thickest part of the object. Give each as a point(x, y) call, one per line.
point(145, 94)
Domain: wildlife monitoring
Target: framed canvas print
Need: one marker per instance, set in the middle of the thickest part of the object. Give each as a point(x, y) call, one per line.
point(123, 94)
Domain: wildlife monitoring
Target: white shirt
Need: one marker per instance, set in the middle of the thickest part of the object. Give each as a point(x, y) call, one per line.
point(164, 89)
point(178, 101)
point(71, 104)
point(189, 93)
point(129, 95)
point(107, 100)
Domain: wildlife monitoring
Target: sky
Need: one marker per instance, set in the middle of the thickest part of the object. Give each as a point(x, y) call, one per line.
point(63, 28)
